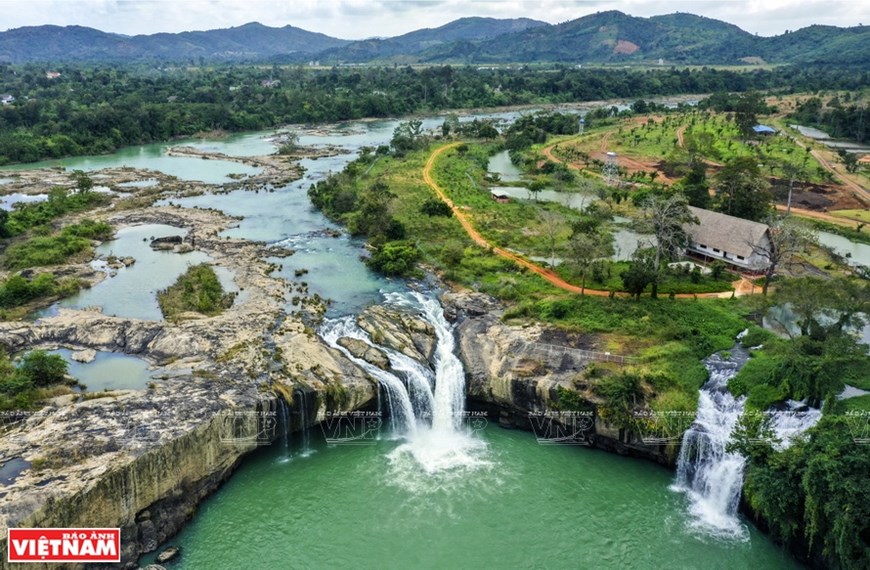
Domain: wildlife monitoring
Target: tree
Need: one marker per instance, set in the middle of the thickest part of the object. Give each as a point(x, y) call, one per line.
point(695, 187)
point(535, 187)
point(745, 113)
point(289, 143)
point(850, 159)
point(82, 181)
point(395, 258)
point(640, 273)
point(433, 207)
point(42, 368)
point(450, 125)
point(786, 238)
point(587, 249)
point(408, 136)
point(667, 216)
point(552, 224)
point(823, 307)
point(741, 190)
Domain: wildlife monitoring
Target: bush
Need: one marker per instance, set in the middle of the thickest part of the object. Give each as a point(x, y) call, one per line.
point(44, 250)
point(395, 258)
point(433, 207)
point(43, 369)
point(199, 290)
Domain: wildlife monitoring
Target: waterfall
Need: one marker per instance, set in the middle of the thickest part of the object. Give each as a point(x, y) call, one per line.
point(303, 422)
point(397, 397)
point(449, 373)
point(711, 477)
point(792, 422)
point(285, 422)
point(414, 394)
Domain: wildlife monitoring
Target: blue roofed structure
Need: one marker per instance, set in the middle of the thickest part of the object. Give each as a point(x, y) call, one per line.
point(764, 130)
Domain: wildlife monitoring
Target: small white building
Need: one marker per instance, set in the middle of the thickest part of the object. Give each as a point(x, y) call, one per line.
point(726, 238)
point(7, 99)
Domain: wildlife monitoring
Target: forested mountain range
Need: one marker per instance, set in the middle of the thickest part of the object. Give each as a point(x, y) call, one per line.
point(605, 37)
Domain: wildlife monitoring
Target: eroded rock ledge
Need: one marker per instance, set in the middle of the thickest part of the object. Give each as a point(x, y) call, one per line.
point(516, 373)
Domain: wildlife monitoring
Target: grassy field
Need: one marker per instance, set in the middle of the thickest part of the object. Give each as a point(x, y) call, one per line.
point(860, 215)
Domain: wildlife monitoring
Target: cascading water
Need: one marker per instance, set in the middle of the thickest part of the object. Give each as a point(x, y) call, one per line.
point(303, 422)
point(439, 446)
point(398, 399)
point(711, 477)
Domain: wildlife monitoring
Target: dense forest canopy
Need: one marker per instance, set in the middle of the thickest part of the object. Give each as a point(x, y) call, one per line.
point(91, 110)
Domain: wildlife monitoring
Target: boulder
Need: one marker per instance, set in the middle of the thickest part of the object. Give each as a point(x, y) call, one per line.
point(168, 554)
point(85, 356)
point(167, 242)
point(365, 351)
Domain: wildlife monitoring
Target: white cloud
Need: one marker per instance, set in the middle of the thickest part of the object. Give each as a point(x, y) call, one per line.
point(353, 19)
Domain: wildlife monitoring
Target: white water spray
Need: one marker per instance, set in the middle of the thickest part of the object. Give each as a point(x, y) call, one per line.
point(711, 477)
point(442, 446)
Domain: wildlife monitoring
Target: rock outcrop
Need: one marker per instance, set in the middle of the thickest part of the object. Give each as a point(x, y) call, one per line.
point(365, 351)
point(522, 374)
point(399, 329)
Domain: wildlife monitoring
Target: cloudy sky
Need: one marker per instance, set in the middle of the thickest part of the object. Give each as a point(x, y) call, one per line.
point(356, 19)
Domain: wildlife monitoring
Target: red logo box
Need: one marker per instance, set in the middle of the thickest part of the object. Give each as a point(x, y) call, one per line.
point(64, 545)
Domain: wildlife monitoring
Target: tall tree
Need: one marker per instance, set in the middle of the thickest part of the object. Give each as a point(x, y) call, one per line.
point(786, 238)
point(695, 186)
point(742, 191)
point(667, 217)
point(586, 249)
point(640, 273)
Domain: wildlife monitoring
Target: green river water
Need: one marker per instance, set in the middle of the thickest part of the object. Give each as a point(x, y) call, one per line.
point(522, 505)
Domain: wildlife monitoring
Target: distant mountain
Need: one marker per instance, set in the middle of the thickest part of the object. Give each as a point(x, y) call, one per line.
point(612, 37)
point(821, 44)
point(252, 41)
point(464, 29)
point(605, 37)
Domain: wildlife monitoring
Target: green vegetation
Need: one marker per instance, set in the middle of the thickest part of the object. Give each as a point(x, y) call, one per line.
point(199, 290)
point(817, 363)
point(36, 376)
point(814, 495)
point(59, 203)
point(18, 290)
point(838, 118)
point(826, 512)
point(66, 115)
point(57, 248)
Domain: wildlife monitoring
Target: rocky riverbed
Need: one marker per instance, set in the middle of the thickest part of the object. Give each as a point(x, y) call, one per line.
point(142, 460)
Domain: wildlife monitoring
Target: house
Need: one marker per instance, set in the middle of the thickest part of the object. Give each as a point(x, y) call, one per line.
point(270, 82)
point(52, 74)
point(729, 239)
point(499, 196)
point(864, 160)
point(764, 130)
point(7, 99)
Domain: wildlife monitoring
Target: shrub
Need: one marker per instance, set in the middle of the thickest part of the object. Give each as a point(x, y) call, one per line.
point(433, 207)
point(395, 258)
point(199, 290)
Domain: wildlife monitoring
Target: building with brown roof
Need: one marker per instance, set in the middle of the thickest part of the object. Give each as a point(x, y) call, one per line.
point(733, 240)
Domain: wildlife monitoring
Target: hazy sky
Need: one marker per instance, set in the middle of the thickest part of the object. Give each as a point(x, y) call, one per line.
point(355, 19)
